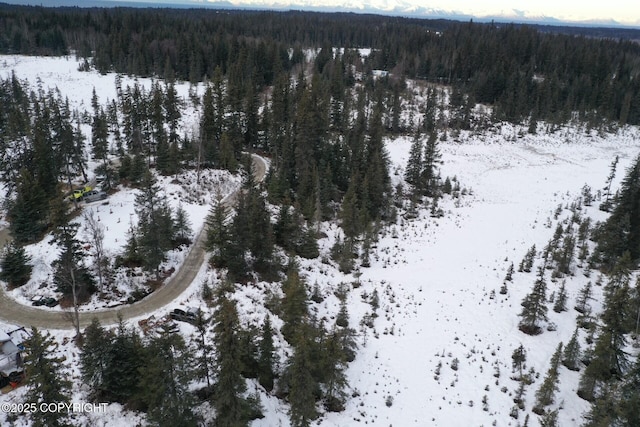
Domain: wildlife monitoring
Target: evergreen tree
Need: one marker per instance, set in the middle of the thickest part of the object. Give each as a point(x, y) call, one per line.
point(509, 276)
point(432, 158)
point(236, 250)
point(527, 261)
point(307, 247)
point(571, 354)
point(217, 232)
point(121, 380)
point(209, 127)
point(549, 419)
point(582, 302)
point(164, 382)
point(294, 303)
point(132, 253)
point(350, 214)
point(334, 364)
point(519, 357)
point(303, 388)
point(182, 226)
point(606, 204)
point(71, 276)
point(94, 357)
point(534, 309)
point(413, 170)
point(376, 181)
point(15, 266)
point(342, 319)
point(560, 304)
point(260, 239)
point(266, 361)
point(163, 162)
point(232, 409)
point(287, 229)
point(609, 359)
point(172, 106)
point(100, 142)
point(27, 212)
point(546, 392)
point(629, 400)
point(203, 349)
point(155, 231)
point(603, 412)
point(249, 351)
point(46, 380)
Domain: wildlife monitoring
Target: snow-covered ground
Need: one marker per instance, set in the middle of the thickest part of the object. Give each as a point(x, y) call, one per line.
point(436, 279)
point(434, 276)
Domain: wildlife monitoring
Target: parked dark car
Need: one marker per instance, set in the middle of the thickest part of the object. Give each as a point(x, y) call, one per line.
point(189, 316)
point(46, 301)
point(94, 196)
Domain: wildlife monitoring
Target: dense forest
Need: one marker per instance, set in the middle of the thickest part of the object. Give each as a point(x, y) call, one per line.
point(322, 119)
point(525, 73)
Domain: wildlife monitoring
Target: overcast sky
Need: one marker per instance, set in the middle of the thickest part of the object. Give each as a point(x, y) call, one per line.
point(621, 11)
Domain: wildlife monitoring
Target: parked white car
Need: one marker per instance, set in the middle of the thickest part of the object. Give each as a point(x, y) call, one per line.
point(94, 196)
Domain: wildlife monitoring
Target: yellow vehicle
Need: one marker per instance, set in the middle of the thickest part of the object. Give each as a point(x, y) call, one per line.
point(79, 193)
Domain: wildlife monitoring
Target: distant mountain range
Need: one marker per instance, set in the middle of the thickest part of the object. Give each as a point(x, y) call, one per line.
point(384, 7)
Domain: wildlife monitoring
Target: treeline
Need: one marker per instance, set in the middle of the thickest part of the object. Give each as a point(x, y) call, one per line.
point(525, 73)
point(611, 381)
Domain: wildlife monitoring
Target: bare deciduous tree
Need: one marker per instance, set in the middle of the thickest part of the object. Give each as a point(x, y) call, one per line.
point(94, 231)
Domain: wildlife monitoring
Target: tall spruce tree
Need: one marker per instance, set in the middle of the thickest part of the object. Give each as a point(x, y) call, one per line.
point(202, 347)
point(181, 226)
point(413, 170)
point(606, 204)
point(603, 411)
point(27, 211)
point(432, 156)
point(629, 398)
point(303, 387)
point(534, 309)
point(94, 357)
point(155, 225)
point(232, 409)
point(164, 382)
point(15, 266)
point(125, 358)
point(294, 303)
point(266, 360)
point(560, 304)
point(545, 395)
point(46, 380)
point(334, 364)
point(217, 232)
point(610, 359)
point(571, 354)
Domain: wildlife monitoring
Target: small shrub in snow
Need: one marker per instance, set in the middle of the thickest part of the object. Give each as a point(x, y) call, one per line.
point(454, 364)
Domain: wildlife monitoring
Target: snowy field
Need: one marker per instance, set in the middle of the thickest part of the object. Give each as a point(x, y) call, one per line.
point(434, 276)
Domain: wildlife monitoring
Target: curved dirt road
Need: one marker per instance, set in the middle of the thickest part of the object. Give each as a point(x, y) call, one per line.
point(15, 313)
